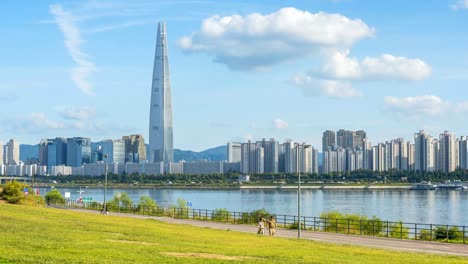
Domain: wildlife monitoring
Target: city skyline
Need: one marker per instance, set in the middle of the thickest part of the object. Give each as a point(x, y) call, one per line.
point(382, 76)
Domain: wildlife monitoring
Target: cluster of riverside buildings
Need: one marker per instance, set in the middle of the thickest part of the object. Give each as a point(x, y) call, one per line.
point(350, 150)
point(79, 156)
point(342, 151)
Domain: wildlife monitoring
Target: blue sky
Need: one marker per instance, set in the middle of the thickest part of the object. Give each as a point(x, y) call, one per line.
point(239, 69)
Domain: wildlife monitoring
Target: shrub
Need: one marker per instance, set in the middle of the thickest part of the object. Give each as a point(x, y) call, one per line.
point(441, 233)
point(398, 230)
point(295, 225)
point(220, 215)
point(13, 192)
point(373, 226)
point(425, 235)
point(351, 223)
point(32, 200)
point(54, 197)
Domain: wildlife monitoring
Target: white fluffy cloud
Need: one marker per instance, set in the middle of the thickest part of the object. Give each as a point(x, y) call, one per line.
point(280, 124)
point(77, 113)
point(256, 40)
point(84, 66)
point(423, 105)
point(329, 88)
point(40, 120)
point(460, 4)
point(386, 67)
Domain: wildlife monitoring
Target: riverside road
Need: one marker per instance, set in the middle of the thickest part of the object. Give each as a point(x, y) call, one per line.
point(374, 242)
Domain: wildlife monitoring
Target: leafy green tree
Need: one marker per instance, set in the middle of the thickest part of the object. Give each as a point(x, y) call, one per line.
point(180, 210)
point(146, 201)
point(124, 199)
point(54, 197)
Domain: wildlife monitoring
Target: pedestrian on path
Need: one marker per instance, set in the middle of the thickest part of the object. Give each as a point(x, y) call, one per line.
point(272, 226)
point(261, 226)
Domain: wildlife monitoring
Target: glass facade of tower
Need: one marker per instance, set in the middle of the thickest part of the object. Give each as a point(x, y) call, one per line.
point(78, 151)
point(160, 125)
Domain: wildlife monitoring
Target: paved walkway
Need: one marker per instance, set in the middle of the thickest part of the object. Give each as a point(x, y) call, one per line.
point(375, 242)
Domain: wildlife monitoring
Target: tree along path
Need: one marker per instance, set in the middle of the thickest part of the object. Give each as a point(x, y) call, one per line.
point(418, 246)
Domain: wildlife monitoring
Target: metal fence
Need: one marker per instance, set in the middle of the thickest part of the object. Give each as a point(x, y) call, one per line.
point(351, 226)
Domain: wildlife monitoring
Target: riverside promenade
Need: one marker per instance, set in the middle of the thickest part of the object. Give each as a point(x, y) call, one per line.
point(364, 241)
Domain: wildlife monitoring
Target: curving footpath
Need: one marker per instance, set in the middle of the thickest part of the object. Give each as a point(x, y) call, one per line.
point(375, 242)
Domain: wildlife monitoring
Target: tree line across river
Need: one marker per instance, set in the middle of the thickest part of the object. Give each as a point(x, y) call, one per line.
point(359, 176)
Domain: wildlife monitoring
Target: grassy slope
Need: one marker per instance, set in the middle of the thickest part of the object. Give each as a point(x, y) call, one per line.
point(43, 235)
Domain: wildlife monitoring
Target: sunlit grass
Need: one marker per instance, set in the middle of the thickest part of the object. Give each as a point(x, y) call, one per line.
point(45, 235)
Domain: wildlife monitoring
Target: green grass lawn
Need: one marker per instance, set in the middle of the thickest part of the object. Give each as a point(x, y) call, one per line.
point(45, 235)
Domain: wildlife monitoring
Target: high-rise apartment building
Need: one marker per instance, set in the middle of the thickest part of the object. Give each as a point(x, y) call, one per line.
point(315, 160)
point(463, 153)
point(271, 153)
point(328, 139)
point(425, 152)
point(135, 148)
point(13, 147)
point(234, 152)
point(78, 151)
point(5, 154)
point(448, 152)
point(1, 153)
point(160, 126)
point(350, 139)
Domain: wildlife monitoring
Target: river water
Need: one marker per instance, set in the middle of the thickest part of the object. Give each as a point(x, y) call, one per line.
point(435, 207)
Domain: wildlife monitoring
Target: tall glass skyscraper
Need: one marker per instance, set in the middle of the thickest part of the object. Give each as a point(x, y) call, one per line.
point(160, 123)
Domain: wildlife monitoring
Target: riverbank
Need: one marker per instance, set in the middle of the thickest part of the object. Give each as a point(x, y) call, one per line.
point(239, 186)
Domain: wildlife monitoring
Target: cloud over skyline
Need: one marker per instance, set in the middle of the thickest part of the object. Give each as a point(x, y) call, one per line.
point(256, 41)
point(72, 37)
point(279, 123)
point(460, 4)
point(385, 67)
point(430, 105)
point(322, 87)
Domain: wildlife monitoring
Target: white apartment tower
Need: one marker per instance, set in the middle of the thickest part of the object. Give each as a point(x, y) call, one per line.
point(234, 152)
point(13, 147)
point(448, 152)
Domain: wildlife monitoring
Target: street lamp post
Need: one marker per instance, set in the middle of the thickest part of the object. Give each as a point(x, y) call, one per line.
point(299, 205)
point(104, 210)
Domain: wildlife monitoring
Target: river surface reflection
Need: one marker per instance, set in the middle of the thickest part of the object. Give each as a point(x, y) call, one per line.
point(437, 207)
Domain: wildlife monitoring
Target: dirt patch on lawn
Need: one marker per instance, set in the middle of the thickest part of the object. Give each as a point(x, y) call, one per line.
point(205, 256)
point(133, 242)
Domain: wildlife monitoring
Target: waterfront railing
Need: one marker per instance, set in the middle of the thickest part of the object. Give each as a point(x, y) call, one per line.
point(350, 226)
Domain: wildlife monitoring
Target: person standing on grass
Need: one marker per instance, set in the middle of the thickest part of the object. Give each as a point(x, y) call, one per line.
point(271, 226)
